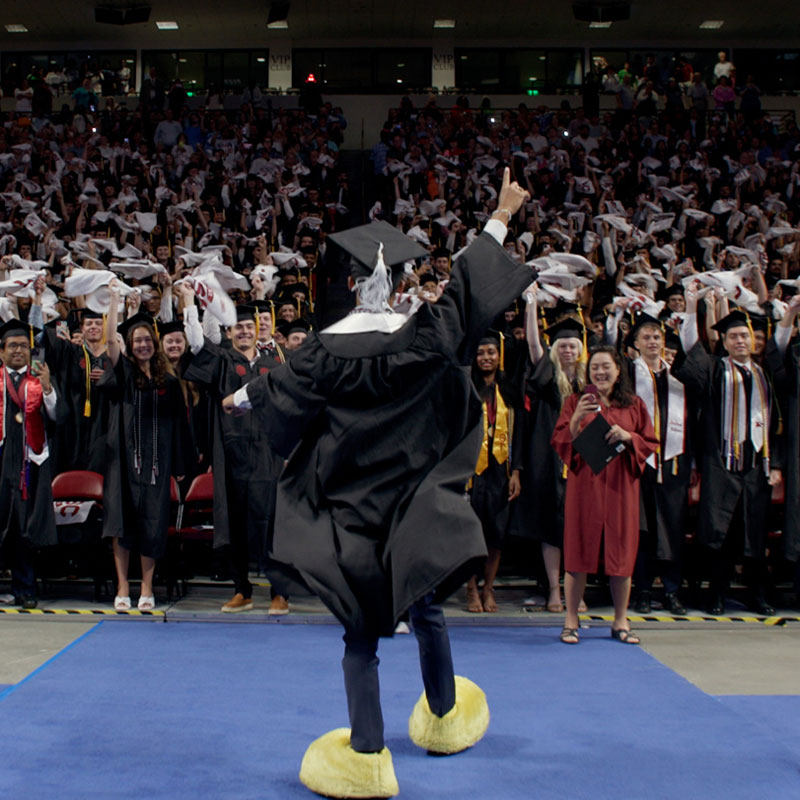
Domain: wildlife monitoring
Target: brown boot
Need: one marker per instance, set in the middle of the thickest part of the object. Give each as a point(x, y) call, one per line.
point(238, 603)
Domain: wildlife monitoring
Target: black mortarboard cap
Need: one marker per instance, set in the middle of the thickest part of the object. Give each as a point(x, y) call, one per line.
point(638, 323)
point(245, 312)
point(137, 319)
point(666, 292)
point(176, 326)
point(733, 319)
point(295, 325)
point(362, 244)
point(15, 327)
point(568, 328)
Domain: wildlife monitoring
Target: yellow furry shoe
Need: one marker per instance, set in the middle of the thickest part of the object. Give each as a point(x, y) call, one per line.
point(332, 768)
point(461, 727)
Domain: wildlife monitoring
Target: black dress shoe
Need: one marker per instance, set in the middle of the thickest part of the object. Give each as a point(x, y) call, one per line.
point(643, 603)
point(717, 606)
point(674, 605)
point(761, 606)
point(26, 602)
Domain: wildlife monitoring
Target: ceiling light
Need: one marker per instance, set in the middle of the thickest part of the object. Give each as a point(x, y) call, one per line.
point(261, 60)
point(167, 25)
point(278, 25)
point(278, 16)
point(599, 24)
point(712, 24)
point(16, 28)
point(444, 23)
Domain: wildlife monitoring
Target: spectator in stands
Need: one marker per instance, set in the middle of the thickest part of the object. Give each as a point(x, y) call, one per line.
point(724, 95)
point(698, 94)
point(24, 98)
point(724, 68)
point(85, 99)
point(167, 131)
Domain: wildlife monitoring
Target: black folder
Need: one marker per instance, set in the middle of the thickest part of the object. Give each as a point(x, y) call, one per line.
point(592, 445)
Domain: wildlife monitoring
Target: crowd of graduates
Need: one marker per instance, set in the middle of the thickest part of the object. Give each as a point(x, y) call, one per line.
point(667, 242)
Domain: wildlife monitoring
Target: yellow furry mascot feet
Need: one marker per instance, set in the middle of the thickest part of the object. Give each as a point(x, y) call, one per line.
point(332, 768)
point(461, 727)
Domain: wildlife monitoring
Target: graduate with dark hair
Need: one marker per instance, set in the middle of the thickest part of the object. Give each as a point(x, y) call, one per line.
point(28, 400)
point(245, 467)
point(382, 425)
point(741, 451)
point(496, 482)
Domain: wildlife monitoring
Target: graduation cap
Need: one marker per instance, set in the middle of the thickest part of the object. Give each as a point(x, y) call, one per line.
point(15, 327)
point(426, 276)
point(293, 327)
point(176, 326)
point(560, 310)
point(638, 323)
point(672, 341)
point(496, 338)
point(137, 319)
point(246, 312)
point(568, 328)
point(665, 292)
point(362, 244)
point(735, 319)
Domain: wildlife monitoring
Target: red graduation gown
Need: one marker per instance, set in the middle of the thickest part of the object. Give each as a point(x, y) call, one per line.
point(604, 509)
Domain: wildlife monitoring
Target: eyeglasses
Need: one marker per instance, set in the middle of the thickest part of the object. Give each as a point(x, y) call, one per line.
point(17, 346)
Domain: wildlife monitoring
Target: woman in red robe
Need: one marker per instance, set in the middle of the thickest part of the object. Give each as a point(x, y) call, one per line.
point(602, 511)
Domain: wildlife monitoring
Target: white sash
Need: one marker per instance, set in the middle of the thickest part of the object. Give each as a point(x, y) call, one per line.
point(645, 387)
point(734, 414)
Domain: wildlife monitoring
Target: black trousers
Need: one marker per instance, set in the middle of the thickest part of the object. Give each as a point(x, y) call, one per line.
point(360, 665)
point(19, 555)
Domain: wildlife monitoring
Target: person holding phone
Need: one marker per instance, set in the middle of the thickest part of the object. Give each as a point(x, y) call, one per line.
point(601, 519)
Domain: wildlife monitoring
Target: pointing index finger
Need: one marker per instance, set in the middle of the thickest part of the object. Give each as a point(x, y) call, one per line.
point(506, 179)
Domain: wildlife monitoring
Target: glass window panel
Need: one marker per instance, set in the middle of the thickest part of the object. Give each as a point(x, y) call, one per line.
point(213, 69)
point(401, 70)
point(305, 63)
point(236, 70)
point(164, 61)
point(609, 58)
point(523, 70)
point(347, 70)
point(478, 69)
point(259, 68)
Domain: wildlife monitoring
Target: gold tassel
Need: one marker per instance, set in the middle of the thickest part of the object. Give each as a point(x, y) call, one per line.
point(105, 319)
point(584, 339)
point(87, 404)
point(502, 353)
point(272, 314)
point(155, 330)
point(752, 333)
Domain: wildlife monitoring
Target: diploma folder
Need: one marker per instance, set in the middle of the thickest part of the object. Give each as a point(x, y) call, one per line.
point(592, 446)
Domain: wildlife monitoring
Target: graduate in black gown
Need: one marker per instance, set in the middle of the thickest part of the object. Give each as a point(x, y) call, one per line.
point(496, 482)
point(382, 426)
point(28, 400)
point(783, 361)
point(245, 468)
point(740, 452)
point(665, 480)
point(77, 369)
point(147, 444)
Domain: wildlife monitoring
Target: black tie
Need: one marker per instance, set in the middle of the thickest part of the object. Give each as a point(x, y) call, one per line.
point(16, 377)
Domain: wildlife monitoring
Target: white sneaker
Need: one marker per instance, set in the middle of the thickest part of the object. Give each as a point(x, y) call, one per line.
point(402, 627)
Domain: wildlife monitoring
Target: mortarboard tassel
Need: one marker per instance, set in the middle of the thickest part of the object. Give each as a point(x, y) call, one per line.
point(155, 330)
point(502, 353)
point(272, 315)
point(584, 358)
point(752, 333)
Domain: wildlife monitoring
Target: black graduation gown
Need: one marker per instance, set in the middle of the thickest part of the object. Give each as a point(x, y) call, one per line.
point(663, 506)
point(33, 518)
point(136, 497)
point(240, 449)
point(539, 510)
point(81, 442)
point(489, 491)
point(371, 504)
point(723, 490)
point(785, 372)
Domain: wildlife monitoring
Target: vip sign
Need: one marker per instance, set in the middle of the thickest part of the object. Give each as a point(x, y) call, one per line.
point(280, 63)
point(444, 69)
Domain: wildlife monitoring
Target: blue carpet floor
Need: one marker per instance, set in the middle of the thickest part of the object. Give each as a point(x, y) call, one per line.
point(226, 711)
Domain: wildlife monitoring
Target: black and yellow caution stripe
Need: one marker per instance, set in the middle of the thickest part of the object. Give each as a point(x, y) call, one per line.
point(773, 621)
point(86, 612)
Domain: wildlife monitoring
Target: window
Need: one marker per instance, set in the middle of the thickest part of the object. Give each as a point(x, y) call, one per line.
point(363, 70)
point(679, 63)
point(517, 71)
point(202, 70)
point(774, 71)
point(111, 71)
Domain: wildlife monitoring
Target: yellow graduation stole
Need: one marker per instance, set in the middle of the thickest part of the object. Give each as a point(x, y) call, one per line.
point(500, 434)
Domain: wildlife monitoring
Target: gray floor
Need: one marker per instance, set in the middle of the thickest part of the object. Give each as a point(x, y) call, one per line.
point(719, 656)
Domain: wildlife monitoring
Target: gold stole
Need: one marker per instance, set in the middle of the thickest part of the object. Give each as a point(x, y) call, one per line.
point(500, 441)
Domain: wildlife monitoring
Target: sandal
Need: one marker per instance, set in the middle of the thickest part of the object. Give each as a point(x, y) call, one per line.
point(147, 603)
point(625, 636)
point(569, 636)
point(122, 603)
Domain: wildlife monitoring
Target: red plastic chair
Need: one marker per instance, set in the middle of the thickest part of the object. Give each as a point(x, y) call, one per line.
point(79, 484)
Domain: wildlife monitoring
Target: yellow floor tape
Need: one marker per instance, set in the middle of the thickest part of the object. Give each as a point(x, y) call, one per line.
point(84, 611)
